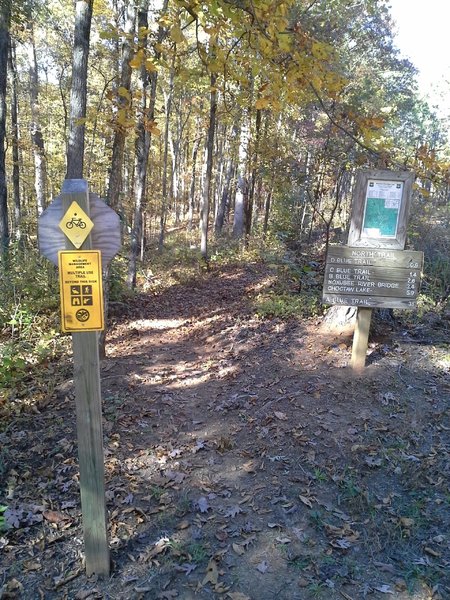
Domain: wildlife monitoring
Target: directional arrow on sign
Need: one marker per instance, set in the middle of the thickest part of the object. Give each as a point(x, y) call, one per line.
point(105, 235)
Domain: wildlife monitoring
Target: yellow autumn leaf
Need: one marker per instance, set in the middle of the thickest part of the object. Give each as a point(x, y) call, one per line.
point(122, 119)
point(285, 42)
point(136, 61)
point(122, 91)
point(262, 103)
point(215, 66)
point(150, 65)
point(176, 34)
point(320, 50)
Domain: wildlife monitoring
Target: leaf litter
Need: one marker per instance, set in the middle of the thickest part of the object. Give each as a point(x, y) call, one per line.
point(243, 460)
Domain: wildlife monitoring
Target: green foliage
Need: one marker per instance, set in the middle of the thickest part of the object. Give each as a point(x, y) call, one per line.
point(3, 526)
point(28, 322)
point(285, 305)
point(118, 291)
point(430, 233)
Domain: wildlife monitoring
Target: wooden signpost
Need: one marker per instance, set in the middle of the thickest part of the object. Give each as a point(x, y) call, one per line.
point(371, 277)
point(374, 270)
point(65, 238)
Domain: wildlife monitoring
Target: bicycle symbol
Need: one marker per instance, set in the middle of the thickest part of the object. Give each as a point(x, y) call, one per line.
point(77, 222)
point(82, 315)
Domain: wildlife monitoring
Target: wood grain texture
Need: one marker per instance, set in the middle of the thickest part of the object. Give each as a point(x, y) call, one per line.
point(358, 204)
point(89, 419)
point(105, 235)
point(376, 257)
point(361, 338)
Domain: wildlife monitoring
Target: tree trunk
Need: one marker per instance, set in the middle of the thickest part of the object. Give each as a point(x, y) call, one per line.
point(113, 197)
point(251, 194)
point(115, 175)
point(15, 145)
point(193, 181)
point(141, 151)
point(209, 165)
point(165, 200)
point(5, 18)
point(143, 138)
point(37, 141)
point(267, 211)
point(78, 96)
point(242, 184)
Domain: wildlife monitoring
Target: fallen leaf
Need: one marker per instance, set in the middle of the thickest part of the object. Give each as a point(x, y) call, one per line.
point(202, 504)
point(306, 501)
point(262, 567)
point(384, 589)
point(53, 516)
point(233, 511)
point(238, 549)
point(283, 540)
point(237, 596)
point(212, 573)
point(373, 461)
point(280, 415)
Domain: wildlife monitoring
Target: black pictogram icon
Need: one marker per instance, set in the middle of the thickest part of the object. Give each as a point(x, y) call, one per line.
point(81, 295)
point(78, 222)
point(82, 315)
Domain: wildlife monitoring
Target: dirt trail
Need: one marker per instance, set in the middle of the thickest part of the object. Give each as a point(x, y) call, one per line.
point(243, 460)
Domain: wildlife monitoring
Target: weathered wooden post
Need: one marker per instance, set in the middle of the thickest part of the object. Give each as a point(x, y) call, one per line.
point(374, 270)
point(88, 400)
point(90, 233)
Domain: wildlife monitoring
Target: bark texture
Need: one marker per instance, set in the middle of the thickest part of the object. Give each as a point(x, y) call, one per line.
point(5, 18)
point(78, 97)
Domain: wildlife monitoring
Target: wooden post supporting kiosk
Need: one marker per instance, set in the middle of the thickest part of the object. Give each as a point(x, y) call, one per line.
point(374, 270)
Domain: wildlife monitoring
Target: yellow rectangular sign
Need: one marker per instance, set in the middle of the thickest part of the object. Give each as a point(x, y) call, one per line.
point(80, 284)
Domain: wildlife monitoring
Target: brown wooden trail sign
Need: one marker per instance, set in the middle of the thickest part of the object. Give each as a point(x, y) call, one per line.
point(372, 278)
point(374, 270)
point(106, 232)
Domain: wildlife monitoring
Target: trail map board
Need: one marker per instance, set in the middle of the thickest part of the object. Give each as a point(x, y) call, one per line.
point(382, 208)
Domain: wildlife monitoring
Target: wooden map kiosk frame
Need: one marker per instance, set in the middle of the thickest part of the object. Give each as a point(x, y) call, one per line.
point(379, 219)
point(380, 209)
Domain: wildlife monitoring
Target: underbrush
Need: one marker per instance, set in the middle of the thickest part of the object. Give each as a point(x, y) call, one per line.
point(29, 336)
point(430, 234)
point(296, 283)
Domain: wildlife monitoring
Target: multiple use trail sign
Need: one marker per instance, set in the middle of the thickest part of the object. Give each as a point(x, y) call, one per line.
point(80, 280)
point(81, 234)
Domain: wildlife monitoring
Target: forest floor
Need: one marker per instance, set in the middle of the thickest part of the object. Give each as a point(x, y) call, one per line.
point(244, 459)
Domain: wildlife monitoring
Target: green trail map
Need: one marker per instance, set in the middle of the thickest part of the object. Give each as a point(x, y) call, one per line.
point(382, 208)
